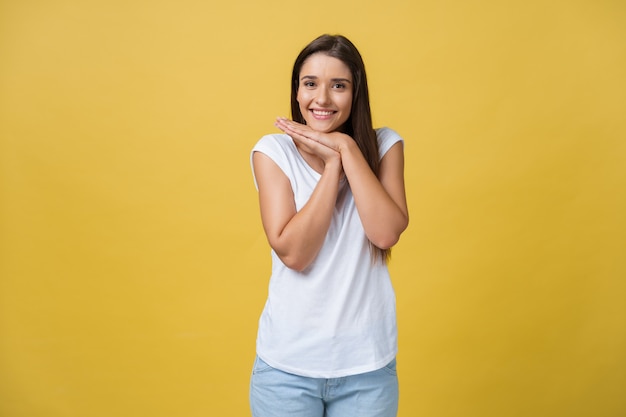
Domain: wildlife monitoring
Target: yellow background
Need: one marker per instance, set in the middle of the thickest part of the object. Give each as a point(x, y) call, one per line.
point(133, 266)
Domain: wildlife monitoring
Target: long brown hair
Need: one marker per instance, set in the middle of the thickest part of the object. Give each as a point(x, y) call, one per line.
point(359, 124)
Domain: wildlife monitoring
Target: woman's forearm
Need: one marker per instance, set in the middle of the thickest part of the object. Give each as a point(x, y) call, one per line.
point(381, 202)
point(297, 236)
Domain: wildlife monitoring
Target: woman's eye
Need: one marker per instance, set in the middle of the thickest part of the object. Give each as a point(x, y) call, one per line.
point(309, 84)
point(339, 85)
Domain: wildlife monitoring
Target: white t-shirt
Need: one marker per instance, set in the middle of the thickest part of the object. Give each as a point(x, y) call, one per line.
point(337, 317)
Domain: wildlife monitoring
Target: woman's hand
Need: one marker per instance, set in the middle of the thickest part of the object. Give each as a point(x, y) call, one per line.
point(324, 145)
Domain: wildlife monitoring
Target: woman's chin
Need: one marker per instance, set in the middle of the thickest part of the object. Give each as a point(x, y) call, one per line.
point(323, 126)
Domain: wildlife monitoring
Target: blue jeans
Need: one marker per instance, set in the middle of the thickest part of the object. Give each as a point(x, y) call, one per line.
point(275, 393)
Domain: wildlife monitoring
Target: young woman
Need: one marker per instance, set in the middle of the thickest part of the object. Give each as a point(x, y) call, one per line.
point(332, 201)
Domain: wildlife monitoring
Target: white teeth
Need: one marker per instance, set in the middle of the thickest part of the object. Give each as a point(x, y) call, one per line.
point(322, 113)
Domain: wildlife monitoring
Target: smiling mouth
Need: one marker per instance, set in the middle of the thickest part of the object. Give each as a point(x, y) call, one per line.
point(322, 114)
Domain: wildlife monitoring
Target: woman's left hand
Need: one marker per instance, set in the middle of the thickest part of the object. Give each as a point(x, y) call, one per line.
point(309, 137)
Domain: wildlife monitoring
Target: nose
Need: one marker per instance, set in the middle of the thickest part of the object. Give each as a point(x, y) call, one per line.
point(323, 97)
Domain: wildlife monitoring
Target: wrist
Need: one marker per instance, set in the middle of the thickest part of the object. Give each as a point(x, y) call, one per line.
point(333, 165)
point(347, 145)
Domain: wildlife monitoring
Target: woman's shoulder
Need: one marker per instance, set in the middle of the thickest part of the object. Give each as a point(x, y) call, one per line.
point(280, 140)
point(387, 137)
point(386, 132)
point(278, 146)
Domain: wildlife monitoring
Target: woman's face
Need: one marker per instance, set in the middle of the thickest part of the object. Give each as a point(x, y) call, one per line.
point(325, 92)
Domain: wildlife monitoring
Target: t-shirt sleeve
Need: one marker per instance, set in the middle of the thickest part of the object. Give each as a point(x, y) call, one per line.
point(386, 139)
point(270, 145)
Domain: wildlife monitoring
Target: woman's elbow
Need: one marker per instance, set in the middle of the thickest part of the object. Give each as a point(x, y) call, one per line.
point(293, 255)
point(389, 237)
point(386, 242)
point(294, 260)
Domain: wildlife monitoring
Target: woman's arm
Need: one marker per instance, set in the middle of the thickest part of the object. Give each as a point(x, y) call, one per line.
point(381, 202)
point(296, 236)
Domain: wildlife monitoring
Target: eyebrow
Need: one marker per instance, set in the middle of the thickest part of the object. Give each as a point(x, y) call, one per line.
point(313, 77)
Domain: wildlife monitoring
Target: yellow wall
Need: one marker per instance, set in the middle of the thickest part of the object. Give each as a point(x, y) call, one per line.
point(133, 266)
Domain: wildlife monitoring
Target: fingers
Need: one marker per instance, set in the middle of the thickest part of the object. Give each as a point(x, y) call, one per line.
point(294, 128)
point(309, 139)
point(298, 131)
point(302, 132)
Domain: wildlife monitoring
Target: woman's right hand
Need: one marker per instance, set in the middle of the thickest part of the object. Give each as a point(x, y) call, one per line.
point(304, 137)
